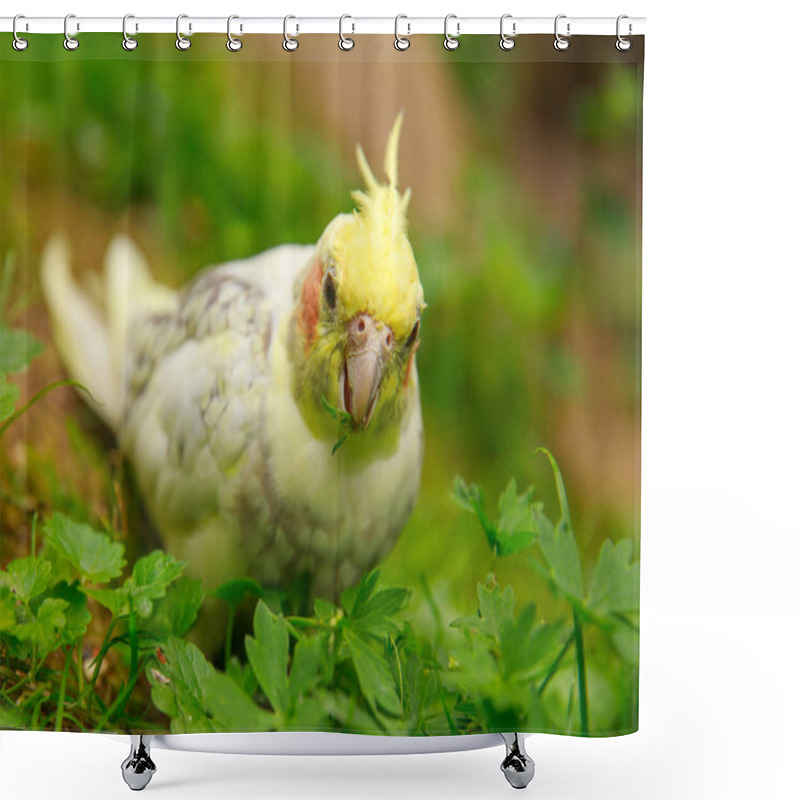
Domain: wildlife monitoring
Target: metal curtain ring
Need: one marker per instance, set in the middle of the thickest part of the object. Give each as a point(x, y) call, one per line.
point(181, 42)
point(18, 44)
point(233, 44)
point(400, 42)
point(623, 44)
point(127, 42)
point(345, 42)
point(507, 42)
point(290, 44)
point(451, 42)
point(70, 42)
point(561, 42)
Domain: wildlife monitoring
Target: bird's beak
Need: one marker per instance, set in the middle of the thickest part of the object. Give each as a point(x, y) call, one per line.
point(369, 345)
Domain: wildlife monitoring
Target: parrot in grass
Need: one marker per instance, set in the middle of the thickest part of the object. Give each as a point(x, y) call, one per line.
point(270, 409)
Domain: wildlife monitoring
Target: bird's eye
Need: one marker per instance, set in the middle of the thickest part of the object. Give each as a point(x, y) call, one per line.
point(330, 291)
point(412, 337)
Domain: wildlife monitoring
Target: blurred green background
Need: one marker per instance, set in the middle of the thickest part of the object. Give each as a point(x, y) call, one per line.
point(525, 175)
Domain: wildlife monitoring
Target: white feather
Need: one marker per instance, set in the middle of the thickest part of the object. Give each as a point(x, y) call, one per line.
point(91, 336)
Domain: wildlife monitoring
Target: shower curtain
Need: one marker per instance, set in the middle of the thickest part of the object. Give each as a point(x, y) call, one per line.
point(320, 386)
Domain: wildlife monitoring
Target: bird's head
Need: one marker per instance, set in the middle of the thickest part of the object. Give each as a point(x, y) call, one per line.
point(359, 307)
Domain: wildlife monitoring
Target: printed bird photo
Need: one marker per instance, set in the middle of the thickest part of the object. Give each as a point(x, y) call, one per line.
point(320, 390)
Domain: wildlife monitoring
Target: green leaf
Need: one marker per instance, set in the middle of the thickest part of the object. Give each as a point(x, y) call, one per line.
point(231, 710)
point(528, 647)
point(77, 615)
point(48, 622)
point(615, 589)
point(374, 617)
point(178, 687)
point(374, 677)
point(9, 394)
point(345, 420)
point(17, 349)
point(355, 596)
point(27, 577)
point(175, 613)
point(496, 606)
point(515, 528)
point(115, 600)
point(8, 609)
point(234, 591)
point(324, 609)
point(345, 709)
point(242, 675)
point(197, 698)
point(268, 654)
point(92, 554)
point(306, 662)
point(471, 499)
point(150, 578)
point(182, 602)
point(13, 717)
point(562, 556)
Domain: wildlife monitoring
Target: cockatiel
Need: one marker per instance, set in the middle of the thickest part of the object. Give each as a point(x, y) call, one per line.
point(228, 396)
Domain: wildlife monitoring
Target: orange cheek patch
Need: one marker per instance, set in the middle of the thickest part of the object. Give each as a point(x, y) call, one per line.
point(309, 304)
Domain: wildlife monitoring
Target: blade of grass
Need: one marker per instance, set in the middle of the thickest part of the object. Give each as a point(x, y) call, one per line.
point(62, 689)
point(560, 488)
point(229, 636)
point(554, 666)
point(583, 700)
point(38, 396)
point(98, 662)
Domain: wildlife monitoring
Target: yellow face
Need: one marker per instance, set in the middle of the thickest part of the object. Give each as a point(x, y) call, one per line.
point(359, 309)
point(373, 272)
point(359, 317)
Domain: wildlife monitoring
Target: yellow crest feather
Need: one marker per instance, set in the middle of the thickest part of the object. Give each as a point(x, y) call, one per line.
point(376, 266)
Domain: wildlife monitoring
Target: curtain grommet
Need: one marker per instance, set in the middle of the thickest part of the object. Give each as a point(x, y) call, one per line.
point(623, 44)
point(290, 43)
point(70, 42)
point(561, 43)
point(346, 43)
point(507, 42)
point(401, 43)
point(19, 44)
point(128, 42)
point(451, 42)
point(233, 44)
point(181, 42)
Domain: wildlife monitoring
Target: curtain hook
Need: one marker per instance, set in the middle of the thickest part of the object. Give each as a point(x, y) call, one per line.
point(128, 43)
point(290, 44)
point(233, 44)
point(18, 44)
point(507, 42)
point(70, 42)
point(623, 44)
point(345, 42)
point(561, 42)
point(400, 42)
point(451, 42)
point(182, 43)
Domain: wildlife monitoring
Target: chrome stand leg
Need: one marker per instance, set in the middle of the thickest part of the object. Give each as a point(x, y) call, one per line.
point(517, 766)
point(138, 768)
